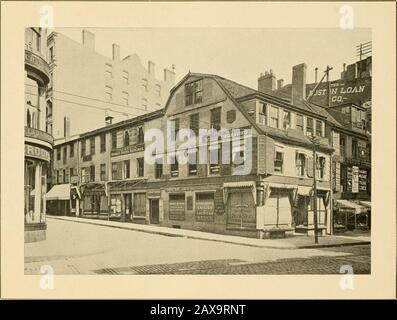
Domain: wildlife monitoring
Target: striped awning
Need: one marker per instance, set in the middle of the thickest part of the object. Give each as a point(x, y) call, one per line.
point(240, 184)
point(350, 206)
point(59, 192)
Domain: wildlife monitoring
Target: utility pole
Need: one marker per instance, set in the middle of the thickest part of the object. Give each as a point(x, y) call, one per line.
point(314, 141)
point(328, 86)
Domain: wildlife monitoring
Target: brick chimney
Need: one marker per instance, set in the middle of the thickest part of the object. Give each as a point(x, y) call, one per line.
point(267, 82)
point(115, 52)
point(298, 83)
point(88, 39)
point(169, 76)
point(280, 84)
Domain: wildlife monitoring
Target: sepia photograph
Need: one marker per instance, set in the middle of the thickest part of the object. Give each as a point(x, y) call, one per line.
point(205, 159)
point(198, 150)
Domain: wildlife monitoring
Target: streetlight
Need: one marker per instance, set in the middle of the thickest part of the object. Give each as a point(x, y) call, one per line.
point(315, 141)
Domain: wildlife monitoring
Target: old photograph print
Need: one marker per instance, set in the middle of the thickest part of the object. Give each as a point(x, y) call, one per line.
point(179, 151)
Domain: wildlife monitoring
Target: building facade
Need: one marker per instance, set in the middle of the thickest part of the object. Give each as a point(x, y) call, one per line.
point(87, 85)
point(38, 142)
point(271, 197)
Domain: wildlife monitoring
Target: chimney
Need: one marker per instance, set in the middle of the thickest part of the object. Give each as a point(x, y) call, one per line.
point(150, 67)
point(267, 82)
point(116, 52)
point(298, 83)
point(88, 40)
point(169, 76)
point(343, 73)
point(315, 75)
point(66, 127)
point(280, 84)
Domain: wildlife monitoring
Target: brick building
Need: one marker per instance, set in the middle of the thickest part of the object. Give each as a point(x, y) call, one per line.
point(273, 197)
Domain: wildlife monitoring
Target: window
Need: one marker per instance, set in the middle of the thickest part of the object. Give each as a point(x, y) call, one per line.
point(286, 120)
point(158, 90)
point(263, 113)
point(33, 39)
point(71, 174)
point(71, 153)
point(319, 128)
point(144, 84)
point(116, 170)
point(108, 70)
point(354, 149)
point(300, 162)
point(273, 117)
point(278, 161)
point(204, 206)
point(140, 167)
point(215, 158)
point(92, 173)
point(126, 139)
point(342, 143)
point(65, 154)
point(141, 136)
point(309, 126)
point(92, 145)
point(58, 176)
point(126, 169)
point(175, 125)
point(103, 172)
point(58, 154)
point(144, 103)
point(175, 168)
point(65, 176)
point(84, 176)
point(158, 169)
point(125, 97)
point(193, 92)
point(125, 76)
point(194, 123)
point(103, 142)
point(192, 163)
point(51, 54)
point(114, 140)
point(320, 167)
point(299, 122)
point(216, 119)
point(108, 93)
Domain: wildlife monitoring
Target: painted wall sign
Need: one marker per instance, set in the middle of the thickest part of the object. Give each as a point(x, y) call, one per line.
point(36, 152)
point(355, 179)
point(362, 180)
point(219, 205)
point(205, 210)
point(38, 134)
point(176, 208)
point(128, 149)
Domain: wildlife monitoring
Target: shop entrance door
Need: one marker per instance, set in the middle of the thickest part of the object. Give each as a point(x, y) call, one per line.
point(154, 211)
point(128, 207)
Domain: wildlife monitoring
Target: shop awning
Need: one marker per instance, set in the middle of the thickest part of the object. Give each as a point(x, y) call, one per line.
point(350, 207)
point(366, 203)
point(59, 192)
point(239, 184)
point(282, 186)
point(304, 191)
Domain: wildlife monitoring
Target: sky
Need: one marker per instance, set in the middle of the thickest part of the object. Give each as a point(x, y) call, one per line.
point(239, 54)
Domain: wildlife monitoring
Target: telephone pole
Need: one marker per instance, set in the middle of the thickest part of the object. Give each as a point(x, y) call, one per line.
point(314, 140)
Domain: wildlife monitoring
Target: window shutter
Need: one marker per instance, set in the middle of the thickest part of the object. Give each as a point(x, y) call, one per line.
point(270, 154)
point(207, 90)
point(309, 166)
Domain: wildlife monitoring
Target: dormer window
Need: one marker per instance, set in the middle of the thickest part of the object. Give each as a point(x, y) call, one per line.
point(193, 92)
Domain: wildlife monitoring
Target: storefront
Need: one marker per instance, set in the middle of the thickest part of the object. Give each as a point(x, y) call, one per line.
point(95, 201)
point(35, 187)
point(349, 215)
point(58, 200)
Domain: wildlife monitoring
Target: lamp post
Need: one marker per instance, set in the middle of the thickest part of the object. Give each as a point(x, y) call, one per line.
point(314, 140)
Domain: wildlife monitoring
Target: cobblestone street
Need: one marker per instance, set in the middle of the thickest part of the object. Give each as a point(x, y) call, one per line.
point(79, 248)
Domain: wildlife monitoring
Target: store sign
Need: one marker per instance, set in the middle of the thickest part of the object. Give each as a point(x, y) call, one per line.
point(362, 180)
point(177, 209)
point(36, 152)
point(154, 194)
point(128, 149)
point(36, 61)
point(39, 135)
point(219, 204)
point(205, 210)
point(355, 179)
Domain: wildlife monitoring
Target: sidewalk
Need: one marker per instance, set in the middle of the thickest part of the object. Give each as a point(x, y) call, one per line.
point(294, 242)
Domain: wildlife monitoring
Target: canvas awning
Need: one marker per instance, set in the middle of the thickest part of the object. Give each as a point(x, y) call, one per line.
point(304, 191)
point(59, 192)
point(366, 203)
point(350, 207)
point(239, 184)
point(282, 186)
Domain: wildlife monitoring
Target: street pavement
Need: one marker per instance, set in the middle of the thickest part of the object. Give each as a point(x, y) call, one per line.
point(81, 248)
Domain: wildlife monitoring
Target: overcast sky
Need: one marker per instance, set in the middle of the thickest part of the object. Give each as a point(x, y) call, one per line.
point(238, 54)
